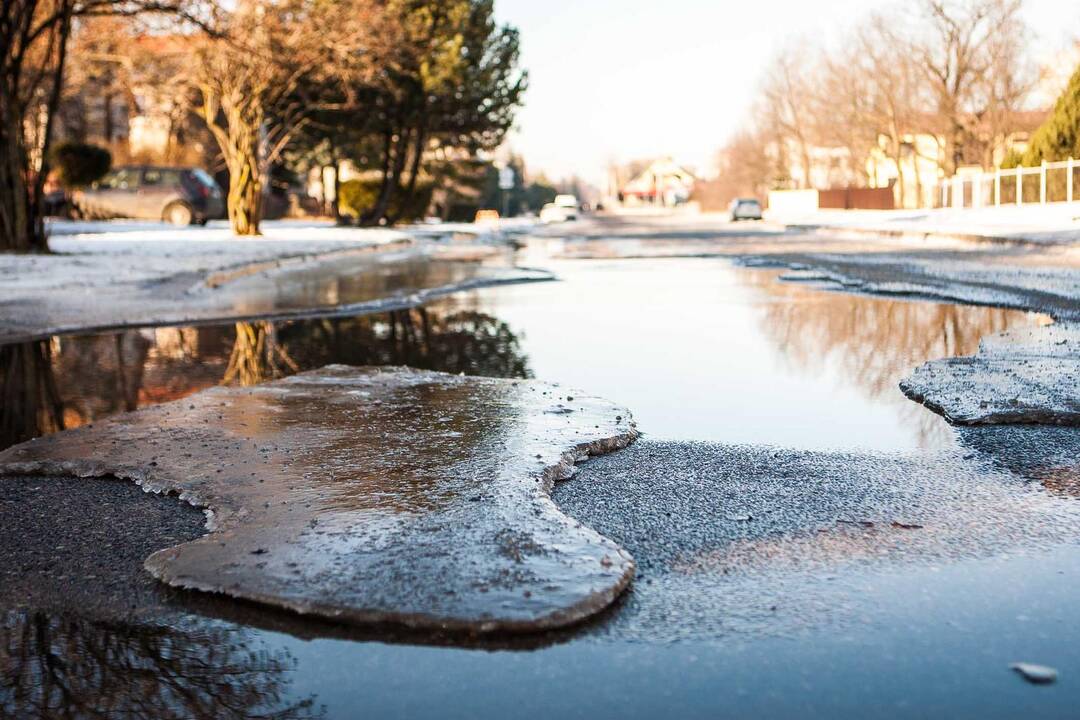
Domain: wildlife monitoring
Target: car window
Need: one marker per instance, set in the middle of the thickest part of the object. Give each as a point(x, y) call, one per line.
point(161, 177)
point(204, 177)
point(121, 179)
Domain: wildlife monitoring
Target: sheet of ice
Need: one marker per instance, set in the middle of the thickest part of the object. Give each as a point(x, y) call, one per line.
point(1025, 376)
point(367, 495)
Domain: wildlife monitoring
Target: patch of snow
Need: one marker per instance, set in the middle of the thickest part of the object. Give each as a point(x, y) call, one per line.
point(100, 254)
point(1052, 224)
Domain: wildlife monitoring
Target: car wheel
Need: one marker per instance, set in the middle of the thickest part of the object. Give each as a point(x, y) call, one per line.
point(178, 214)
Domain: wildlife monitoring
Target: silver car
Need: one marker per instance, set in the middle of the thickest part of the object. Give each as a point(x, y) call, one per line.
point(745, 209)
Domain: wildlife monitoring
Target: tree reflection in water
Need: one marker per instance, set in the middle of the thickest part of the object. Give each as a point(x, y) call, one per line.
point(70, 381)
point(67, 667)
point(30, 402)
point(257, 356)
point(465, 341)
point(874, 341)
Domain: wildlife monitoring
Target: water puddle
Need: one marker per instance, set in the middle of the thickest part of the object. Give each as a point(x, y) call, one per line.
point(698, 348)
point(367, 283)
point(349, 284)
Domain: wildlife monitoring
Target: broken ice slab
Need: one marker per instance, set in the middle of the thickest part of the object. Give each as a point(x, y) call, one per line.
point(371, 495)
point(1022, 376)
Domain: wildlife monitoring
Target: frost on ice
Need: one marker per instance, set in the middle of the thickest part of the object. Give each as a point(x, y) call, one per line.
point(1022, 376)
point(368, 495)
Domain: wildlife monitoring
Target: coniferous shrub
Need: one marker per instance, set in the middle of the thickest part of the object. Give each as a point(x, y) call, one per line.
point(356, 197)
point(80, 164)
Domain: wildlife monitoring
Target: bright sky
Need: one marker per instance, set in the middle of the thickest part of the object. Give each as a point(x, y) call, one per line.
point(625, 79)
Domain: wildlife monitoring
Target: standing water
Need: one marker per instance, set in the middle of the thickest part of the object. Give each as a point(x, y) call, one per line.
point(699, 350)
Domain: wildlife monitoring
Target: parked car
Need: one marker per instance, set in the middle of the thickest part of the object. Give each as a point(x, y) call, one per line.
point(552, 213)
point(568, 204)
point(178, 195)
point(745, 209)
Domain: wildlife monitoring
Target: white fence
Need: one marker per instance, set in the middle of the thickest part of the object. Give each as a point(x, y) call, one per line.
point(1050, 182)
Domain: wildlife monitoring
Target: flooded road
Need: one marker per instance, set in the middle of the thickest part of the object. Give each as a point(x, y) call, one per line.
point(700, 349)
point(809, 542)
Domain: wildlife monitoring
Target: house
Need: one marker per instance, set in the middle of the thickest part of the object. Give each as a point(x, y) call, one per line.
point(915, 173)
point(662, 183)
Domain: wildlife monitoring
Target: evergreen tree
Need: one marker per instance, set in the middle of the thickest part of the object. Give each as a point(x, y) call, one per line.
point(1059, 137)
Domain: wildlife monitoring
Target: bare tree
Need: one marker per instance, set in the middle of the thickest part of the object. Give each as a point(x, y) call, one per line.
point(787, 104)
point(843, 112)
point(892, 90)
point(745, 168)
point(34, 37)
point(261, 79)
point(966, 44)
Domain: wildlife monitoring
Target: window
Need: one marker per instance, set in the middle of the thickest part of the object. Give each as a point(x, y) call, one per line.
point(121, 179)
point(203, 177)
point(161, 177)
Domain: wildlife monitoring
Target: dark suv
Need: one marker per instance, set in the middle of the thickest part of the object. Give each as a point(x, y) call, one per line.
point(181, 196)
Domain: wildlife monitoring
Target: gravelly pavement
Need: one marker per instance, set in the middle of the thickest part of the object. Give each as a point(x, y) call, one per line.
point(78, 545)
point(740, 539)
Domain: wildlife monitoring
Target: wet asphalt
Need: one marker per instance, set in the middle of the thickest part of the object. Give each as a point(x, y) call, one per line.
point(769, 582)
point(77, 545)
point(741, 541)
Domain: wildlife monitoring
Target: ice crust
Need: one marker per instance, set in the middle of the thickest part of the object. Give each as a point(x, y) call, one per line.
point(1028, 376)
point(371, 495)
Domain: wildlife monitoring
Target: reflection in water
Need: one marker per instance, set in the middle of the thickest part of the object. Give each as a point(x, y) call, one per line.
point(454, 341)
point(257, 355)
point(874, 342)
point(71, 381)
point(30, 402)
point(56, 666)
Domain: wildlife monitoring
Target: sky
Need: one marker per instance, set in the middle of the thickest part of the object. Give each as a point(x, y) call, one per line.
point(629, 79)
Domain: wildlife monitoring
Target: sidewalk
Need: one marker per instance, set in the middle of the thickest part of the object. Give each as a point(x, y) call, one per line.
point(89, 255)
point(1051, 224)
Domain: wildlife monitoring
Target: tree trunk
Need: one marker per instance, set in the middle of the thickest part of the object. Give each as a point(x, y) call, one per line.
point(20, 231)
point(245, 195)
point(367, 217)
point(335, 204)
point(897, 147)
point(22, 191)
point(245, 174)
point(414, 174)
point(390, 181)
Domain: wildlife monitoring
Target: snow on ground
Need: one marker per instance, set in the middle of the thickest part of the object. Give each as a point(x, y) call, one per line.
point(1053, 223)
point(95, 254)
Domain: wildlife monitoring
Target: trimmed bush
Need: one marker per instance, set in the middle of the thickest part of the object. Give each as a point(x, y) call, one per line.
point(79, 164)
point(356, 197)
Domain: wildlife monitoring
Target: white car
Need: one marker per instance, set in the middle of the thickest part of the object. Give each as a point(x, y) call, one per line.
point(552, 213)
point(745, 209)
